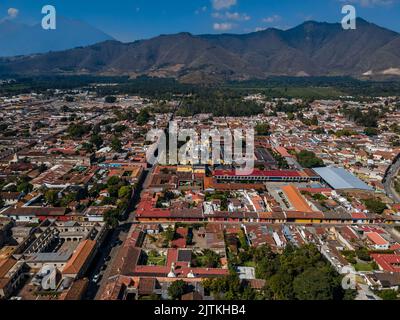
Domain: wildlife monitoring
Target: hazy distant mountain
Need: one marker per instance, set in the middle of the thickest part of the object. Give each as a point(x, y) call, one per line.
point(20, 39)
point(310, 49)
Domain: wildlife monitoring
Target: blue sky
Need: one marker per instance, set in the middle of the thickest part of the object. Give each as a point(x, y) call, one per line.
point(129, 20)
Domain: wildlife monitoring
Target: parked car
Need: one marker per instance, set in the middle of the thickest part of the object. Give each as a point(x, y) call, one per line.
point(96, 278)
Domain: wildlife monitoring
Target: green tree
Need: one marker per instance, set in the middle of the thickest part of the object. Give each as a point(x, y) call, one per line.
point(67, 199)
point(375, 205)
point(42, 168)
point(319, 130)
point(113, 181)
point(111, 218)
point(314, 120)
point(169, 234)
point(363, 254)
point(345, 133)
point(116, 144)
point(313, 284)
point(110, 99)
point(266, 262)
point(124, 192)
point(388, 294)
point(308, 159)
point(88, 147)
point(262, 129)
point(25, 187)
point(108, 201)
point(371, 131)
point(96, 140)
point(78, 130)
point(281, 286)
point(51, 197)
point(119, 128)
point(297, 273)
point(208, 258)
point(229, 288)
point(143, 117)
point(177, 289)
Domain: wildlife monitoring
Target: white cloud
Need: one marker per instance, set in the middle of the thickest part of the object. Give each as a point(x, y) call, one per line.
point(238, 16)
point(370, 3)
point(272, 19)
point(235, 16)
point(225, 26)
point(12, 13)
point(223, 4)
point(260, 29)
point(200, 10)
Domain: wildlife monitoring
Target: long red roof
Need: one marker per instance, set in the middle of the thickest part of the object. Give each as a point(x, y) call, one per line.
point(260, 173)
point(388, 262)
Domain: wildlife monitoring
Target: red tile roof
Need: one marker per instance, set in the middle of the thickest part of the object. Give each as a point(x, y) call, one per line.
point(376, 238)
point(358, 215)
point(260, 173)
point(388, 262)
point(296, 199)
point(179, 243)
point(79, 258)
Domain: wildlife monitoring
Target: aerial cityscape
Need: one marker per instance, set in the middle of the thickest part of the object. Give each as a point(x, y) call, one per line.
point(254, 165)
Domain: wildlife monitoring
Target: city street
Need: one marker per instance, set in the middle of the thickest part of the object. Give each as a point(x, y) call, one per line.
point(389, 180)
point(104, 259)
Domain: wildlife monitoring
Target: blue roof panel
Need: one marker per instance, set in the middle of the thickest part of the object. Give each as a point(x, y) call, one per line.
point(339, 178)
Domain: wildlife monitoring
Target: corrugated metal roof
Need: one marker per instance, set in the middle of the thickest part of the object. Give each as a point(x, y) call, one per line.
point(339, 178)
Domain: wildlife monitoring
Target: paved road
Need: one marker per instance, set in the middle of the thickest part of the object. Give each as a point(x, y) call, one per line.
point(389, 180)
point(104, 258)
point(112, 244)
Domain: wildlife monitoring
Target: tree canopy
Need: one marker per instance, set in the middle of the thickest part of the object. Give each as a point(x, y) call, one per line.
point(375, 205)
point(177, 289)
point(308, 159)
point(299, 273)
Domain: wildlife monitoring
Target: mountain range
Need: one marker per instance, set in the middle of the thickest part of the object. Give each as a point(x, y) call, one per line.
point(310, 49)
point(22, 39)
